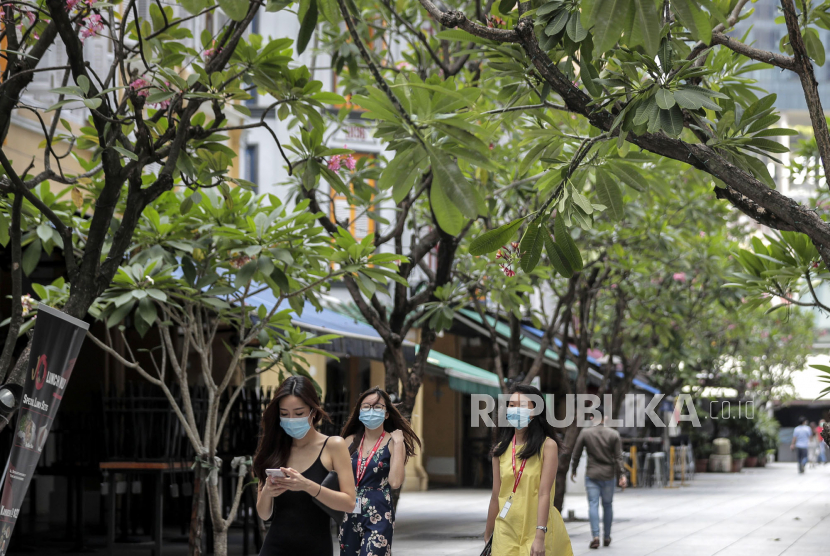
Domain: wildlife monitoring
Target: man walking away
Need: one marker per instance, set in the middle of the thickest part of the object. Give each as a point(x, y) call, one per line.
point(605, 463)
point(801, 442)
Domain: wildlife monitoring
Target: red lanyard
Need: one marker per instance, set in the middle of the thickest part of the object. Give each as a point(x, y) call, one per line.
point(521, 469)
point(362, 464)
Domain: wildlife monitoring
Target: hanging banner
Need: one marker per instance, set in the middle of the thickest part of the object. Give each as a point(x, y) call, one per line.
point(55, 346)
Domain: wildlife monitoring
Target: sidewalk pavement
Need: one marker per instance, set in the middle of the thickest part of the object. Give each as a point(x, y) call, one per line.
point(758, 512)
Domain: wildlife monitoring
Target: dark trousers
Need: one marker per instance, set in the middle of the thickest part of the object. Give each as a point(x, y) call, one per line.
point(802, 458)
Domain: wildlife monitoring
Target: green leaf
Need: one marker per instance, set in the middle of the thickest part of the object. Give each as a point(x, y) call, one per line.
point(330, 11)
point(664, 98)
point(495, 239)
point(671, 121)
point(235, 9)
point(159, 96)
point(690, 100)
point(557, 257)
point(447, 177)
point(557, 23)
point(83, 83)
point(814, 46)
point(531, 244)
point(307, 27)
point(506, 6)
point(587, 72)
point(125, 152)
point(609, 17)
point(447, 215)
point(44, 232)
point(759, 170)
point(646, 29)
point(459, 35)
point(402, 172)
point(695, 19)
point(609, 194)
point(575, 30)
point(31, 256)
point(567, 245)
point(92, 103)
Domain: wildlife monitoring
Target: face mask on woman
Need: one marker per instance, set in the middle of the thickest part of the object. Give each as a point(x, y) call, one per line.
point(518, 417)
point(296, 427)
point(372, 418)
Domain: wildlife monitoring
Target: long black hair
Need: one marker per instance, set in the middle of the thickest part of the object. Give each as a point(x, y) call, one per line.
point(538, 430)
point(395, 421)
point(275, 444)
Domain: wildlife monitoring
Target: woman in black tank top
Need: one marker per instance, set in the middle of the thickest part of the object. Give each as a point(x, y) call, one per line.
point(289, 442)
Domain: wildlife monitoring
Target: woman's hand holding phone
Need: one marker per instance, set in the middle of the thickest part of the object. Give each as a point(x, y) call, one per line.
point(272, 488)
point(295, 481)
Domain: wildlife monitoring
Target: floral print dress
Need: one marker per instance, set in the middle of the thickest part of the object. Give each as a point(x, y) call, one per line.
point(369, 533)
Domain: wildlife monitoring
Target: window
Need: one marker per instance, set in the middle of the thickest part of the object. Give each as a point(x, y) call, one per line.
point(255, 24)
point(252, 165)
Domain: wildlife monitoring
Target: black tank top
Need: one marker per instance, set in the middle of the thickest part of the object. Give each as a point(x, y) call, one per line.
point(298, 525)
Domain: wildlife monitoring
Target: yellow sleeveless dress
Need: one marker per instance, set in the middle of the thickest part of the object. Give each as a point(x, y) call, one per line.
point(514, 535)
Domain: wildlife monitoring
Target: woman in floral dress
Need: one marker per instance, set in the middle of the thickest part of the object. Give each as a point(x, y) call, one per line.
point(381, 441)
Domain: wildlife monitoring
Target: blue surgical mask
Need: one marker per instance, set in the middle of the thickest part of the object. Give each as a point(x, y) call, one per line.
point(296, 427)
point(518, 417)
point(372, 418)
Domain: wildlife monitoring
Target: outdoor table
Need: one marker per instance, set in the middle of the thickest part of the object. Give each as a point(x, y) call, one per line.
point(158, 469)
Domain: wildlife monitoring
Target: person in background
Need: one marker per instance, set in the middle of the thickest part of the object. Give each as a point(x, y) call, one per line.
point(522, 520)
point(801, 442)
point(381, 441)
point(812, 453)
point(605, 468)
point(822, 446)
point(289, 442)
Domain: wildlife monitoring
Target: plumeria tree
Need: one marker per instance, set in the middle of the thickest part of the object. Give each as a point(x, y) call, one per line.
point(233, 264)
point(157, 117)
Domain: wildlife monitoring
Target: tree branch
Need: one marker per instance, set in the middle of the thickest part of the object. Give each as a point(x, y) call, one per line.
point(17, 286)
point(804, 68)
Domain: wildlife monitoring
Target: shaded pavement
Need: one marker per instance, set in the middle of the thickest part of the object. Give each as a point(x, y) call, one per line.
point(759, 512)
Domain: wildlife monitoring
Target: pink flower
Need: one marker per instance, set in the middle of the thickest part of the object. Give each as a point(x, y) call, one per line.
point(165, 104)
point(679, 276)
point(70, 4)
point(509, 272)
point(210, 52)
point(30, 16)
point(140, 86)
point(702, 233)
point(92, 26)
point(349, 162)
point(334, 163)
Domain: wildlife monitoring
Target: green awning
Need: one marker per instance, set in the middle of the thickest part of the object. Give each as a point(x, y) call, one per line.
point(531, 346)
point(464, 377)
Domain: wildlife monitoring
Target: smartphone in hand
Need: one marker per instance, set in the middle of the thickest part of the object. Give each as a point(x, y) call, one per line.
point(275, 473)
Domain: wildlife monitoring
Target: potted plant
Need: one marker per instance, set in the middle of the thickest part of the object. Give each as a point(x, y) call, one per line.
point(702, 453)
point(738, 461)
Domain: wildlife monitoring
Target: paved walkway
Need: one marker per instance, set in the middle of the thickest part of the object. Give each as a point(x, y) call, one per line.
point(759, 512)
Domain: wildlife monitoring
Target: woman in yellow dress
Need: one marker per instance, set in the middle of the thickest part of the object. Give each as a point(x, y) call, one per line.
point(521, 518)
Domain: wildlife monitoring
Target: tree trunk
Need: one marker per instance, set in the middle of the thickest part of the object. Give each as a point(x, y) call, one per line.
point(220, 541)
point(197, 514)
point(564, 464)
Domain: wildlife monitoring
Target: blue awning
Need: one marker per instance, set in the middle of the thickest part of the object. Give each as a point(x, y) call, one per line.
point(637, 382)
point(357, 339)
point(538, 333)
